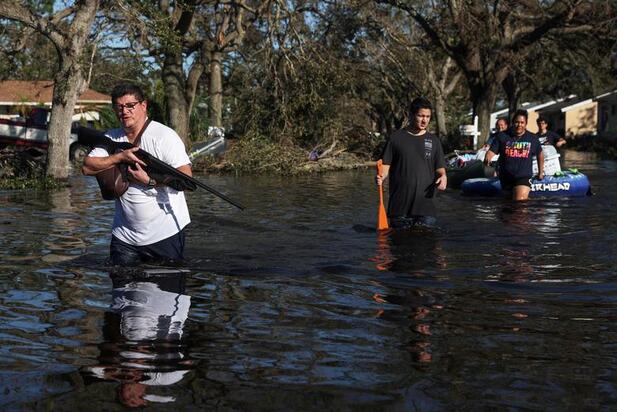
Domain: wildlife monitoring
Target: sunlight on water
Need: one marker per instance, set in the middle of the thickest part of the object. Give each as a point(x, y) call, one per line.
point(298, 301)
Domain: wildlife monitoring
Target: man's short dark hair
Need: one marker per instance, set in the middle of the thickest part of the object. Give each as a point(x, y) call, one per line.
point(504, 119)
point(419, 103)
point(542, 119)
point(127, 88)
point(520, 112)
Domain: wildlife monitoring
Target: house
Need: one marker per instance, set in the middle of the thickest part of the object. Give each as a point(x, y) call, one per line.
point(607, 113)
point(17, 97)
point(572, 117)
point(532, 113)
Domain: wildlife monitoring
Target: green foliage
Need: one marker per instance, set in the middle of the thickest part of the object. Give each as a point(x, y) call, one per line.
point(308, 101)
point(162, 23)
point(38, 59)
point(111, 67)
point(342, 72)
point(199, 122)
point(108, 119)
point(41, 6)
point(41, 183)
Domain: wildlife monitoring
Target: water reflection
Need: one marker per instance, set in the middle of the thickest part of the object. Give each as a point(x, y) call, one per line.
point(412, 251)
point(549, 219)
point(143, 347)
point(61, 244)
point(416, 252)
point(517, 216)
point(494, 311)
point(420, 304)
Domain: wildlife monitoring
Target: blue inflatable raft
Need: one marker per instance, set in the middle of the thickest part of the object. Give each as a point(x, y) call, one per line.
point(566, 183)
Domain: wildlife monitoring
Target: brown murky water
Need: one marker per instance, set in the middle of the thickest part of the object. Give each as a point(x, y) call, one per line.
point(296, 303)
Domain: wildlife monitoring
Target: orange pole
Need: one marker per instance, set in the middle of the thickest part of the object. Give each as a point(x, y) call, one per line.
point(382, 218)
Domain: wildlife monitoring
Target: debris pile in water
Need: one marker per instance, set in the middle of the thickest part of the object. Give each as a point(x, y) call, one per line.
point(23, 169)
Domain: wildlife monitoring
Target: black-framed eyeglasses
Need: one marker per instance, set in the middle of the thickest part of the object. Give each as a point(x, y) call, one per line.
point(127, 106)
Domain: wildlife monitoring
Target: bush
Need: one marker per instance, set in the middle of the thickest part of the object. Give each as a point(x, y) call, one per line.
point(22, 170)
point(256, 154)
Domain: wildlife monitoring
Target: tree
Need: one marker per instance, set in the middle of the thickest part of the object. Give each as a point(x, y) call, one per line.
point(186, 38)
point(68, 30)
point(560, 65)
point(223, 26)
point(486, 39)
point(406, 57)
point(300, 80)
point(24, 53)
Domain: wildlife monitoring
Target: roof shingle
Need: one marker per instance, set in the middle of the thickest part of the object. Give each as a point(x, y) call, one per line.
point(40, 91)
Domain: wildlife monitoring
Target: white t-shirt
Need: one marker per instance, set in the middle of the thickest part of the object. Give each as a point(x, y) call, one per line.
point(146, 215)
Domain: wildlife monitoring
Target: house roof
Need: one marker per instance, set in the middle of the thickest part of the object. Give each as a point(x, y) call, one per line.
point(611, 95)
point(564, 105)
point(530, 106)
point(14, 92)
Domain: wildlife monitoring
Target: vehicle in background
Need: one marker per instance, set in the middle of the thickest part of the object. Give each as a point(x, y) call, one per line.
point(214, 144)
point(31, 133)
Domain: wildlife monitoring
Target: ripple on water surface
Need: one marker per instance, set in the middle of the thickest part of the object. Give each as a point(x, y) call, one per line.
point(297, 301)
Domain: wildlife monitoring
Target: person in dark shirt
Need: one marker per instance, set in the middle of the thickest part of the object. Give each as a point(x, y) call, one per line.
point(501, 125)
point(413, 160)
point(546, 136)
point(516, 148)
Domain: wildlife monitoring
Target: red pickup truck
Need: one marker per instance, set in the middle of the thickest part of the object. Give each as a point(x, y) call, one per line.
point(31, 132)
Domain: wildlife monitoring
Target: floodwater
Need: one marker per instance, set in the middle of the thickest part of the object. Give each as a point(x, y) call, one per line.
point(297, 304)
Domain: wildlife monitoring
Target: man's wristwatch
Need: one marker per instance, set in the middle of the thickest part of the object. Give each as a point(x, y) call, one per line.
point(151, 182)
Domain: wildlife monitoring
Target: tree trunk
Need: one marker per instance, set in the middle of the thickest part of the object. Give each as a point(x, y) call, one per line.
point(174, 84)
point(216, 89)
point(513, 93)
point(69, 83)
point(483, 96)
point(440, 114)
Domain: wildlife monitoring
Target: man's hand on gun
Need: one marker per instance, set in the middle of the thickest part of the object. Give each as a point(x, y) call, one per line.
point(135, 169)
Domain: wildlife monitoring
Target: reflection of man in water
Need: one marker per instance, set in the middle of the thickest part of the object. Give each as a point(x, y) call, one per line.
point(410, 251)
point(415, 252)
point(421, 303)
point(142, 338)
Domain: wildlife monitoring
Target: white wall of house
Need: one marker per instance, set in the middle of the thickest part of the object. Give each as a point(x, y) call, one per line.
point(581, 119)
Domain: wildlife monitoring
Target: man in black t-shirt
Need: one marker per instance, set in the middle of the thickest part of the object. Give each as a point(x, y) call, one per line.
point(414, 162)
point(546, 136)
point(516, 149)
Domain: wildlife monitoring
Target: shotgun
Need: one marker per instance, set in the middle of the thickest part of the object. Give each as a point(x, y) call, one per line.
point(157, 169)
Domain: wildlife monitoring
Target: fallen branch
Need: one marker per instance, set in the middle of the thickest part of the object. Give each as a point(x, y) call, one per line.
point(316, 154)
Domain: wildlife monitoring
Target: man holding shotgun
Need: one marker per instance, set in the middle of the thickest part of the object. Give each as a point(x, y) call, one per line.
point(413, 160)
point(150, 217)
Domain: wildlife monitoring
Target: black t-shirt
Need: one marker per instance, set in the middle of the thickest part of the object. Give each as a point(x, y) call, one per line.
point(548, 138)
point(413, 161)
point(516, 153)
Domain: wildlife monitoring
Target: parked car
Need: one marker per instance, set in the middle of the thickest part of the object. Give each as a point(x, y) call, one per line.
point(31, 133)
